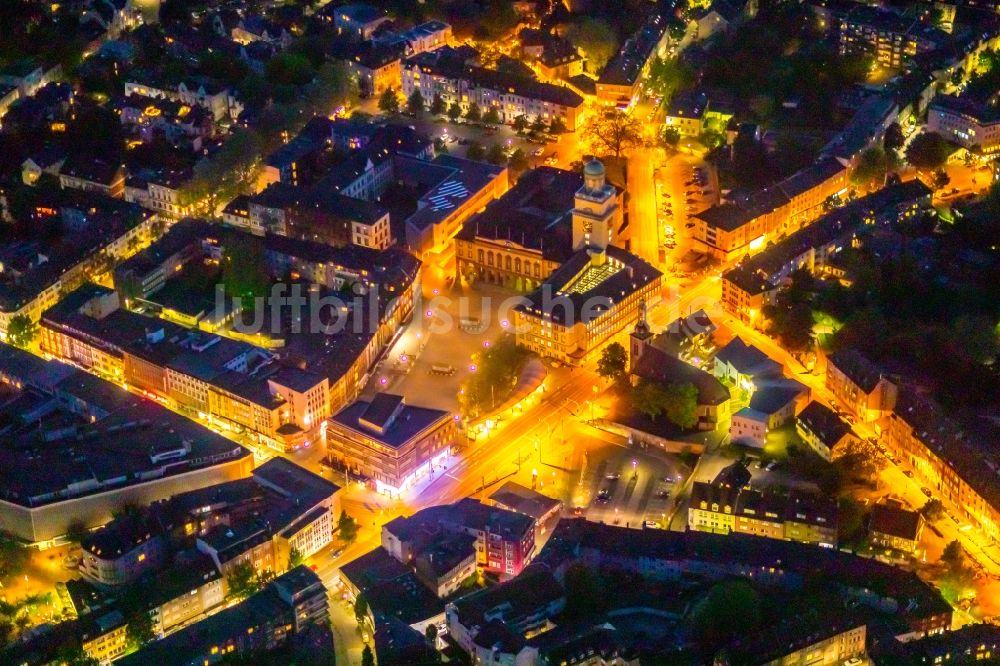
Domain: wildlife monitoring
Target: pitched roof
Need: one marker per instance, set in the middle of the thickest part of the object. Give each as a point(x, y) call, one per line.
point(862, 372)
point(823, 423)
point(894, 521)
point(747, 359)
point(655, 364)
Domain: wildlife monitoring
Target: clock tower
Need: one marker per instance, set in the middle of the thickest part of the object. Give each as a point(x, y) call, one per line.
point(595, 211)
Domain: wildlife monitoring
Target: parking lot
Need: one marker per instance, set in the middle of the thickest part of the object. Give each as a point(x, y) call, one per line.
point(627, 487)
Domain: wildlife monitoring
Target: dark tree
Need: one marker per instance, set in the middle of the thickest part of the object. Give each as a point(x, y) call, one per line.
point(928, 151)
point(476, 152)
point(613, 362)
point(389, 101)
point(438, 105)
point(415, 103)
point(474, 114)
point(894, 138)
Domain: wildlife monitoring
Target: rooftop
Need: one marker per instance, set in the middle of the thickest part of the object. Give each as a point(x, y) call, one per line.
point(534, 214)
point(408, 423)
point(894, 521)
point(524, 500)
point(117, 450)
point(589, 288)
point(824, 423)
point(432, 63)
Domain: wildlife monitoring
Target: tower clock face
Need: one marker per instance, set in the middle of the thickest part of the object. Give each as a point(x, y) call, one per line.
point(588, 226)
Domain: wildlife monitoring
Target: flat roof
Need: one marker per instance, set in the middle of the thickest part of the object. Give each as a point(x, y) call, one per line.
point(535, 214)
point(596, 286)
point(409, 423)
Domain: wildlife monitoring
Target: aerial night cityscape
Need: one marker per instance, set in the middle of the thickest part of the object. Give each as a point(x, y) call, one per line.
point(499, 332)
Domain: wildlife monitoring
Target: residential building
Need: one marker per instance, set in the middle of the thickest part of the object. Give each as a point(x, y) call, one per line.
point(259, 29)
point(428, 36)
point(864, 130)
point(158, 117)
point(161, 191)
point(498, 619)
point(972, 644)
point(891, 38)
point(954, 460)
point(514, 497)
point(723, 509)
point(749, 426)
point(92, 234)
point(377, 66)
point(93, 174)
point(821, 428)
point(190, 587)
point(46, 161)
point(217, 99)
point(504, 540)
point(830, 643)
point(721, 16)
point(751, 284)
point(619, 82)
point(559, 59)
point(965, 122)
point(686, 112)
point(286, 508)
point(104, 638)
point(860, 385)
point(443, 72)
point(771, 563)
point(393, 590)
point(122, 551)
point(733, 229)
point(356, 20)
point(390, 442)
point(286, 607)
point(742, 365)
point(892, 526)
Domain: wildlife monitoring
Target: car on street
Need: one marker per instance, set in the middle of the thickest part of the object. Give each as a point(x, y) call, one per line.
point(908, 473)
point(538, 151)
point(612, 476)
point(551, 160)
point(926, 491)
point(771, 466)
point(651, 524)
point(337, 553)
point(662, 494)
point(603, 497)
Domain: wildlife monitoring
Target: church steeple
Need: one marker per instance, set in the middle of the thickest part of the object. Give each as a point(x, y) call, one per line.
point(642, 330)
point(639, 337)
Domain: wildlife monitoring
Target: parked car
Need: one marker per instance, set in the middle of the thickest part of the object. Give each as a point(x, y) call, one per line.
point(926, 491)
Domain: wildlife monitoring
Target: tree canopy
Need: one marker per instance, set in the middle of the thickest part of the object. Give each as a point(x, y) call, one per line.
point(613, 132)
point(613, 362)
point(928, 151)
point(596, 39)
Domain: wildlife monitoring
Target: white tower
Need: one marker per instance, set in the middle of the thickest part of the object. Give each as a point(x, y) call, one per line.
point(595, 211)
